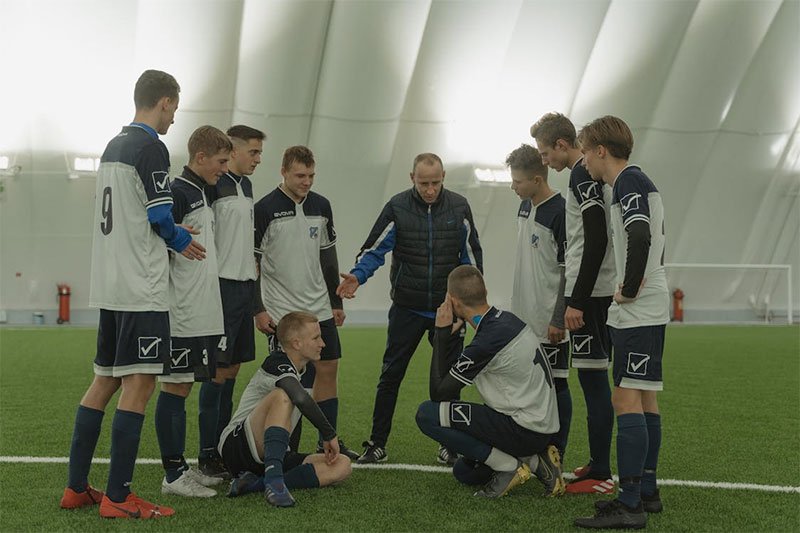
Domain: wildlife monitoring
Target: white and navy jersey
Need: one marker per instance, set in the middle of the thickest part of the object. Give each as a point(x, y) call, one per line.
point(195, 306)
point(129, 259)
point(585, 193)
point(232, 200)
point(637, 199)
point(540, 255)
point(506, 364)
point(275, 367)
point(288, 239)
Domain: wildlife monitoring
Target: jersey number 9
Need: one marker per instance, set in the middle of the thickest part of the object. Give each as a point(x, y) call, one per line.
point(107, 224)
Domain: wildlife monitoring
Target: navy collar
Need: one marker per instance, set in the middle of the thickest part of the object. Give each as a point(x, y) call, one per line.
point(150, 131)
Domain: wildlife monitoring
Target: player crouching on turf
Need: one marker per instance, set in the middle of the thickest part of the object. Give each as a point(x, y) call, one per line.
point(502, 441)
point(254, 444)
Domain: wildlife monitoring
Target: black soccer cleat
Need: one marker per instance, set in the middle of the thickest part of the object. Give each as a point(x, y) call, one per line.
point(548, 471)
point(446, 457)
point(372, 454)
point(213, 467)
point(614, 514)
point(650, 504)
point(502, 482)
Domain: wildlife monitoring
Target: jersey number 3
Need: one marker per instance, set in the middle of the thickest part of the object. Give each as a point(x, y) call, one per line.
point(106, 211)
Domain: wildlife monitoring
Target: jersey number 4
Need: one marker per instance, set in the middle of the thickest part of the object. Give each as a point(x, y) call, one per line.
point(223, 343)
point(106, 211)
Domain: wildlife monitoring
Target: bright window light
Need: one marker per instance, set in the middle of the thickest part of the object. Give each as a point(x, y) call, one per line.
point(4, 162)
point(492, 175)
point(86, 164)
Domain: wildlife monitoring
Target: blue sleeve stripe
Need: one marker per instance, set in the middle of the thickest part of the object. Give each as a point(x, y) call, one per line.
point(371, 259)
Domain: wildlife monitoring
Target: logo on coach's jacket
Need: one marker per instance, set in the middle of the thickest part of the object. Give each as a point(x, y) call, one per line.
point(313, 232)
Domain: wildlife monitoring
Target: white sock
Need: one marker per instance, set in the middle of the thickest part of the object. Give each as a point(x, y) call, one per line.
point(500, 461)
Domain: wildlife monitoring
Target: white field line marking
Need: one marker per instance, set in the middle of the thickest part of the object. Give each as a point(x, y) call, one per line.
point(19, 459)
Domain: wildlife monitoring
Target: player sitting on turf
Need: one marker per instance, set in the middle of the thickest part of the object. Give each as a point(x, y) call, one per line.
point(506, 438)
point(254, 445)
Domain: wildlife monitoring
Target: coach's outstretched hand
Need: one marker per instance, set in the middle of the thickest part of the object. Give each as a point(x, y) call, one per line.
point(347, 287)
point(331, 448)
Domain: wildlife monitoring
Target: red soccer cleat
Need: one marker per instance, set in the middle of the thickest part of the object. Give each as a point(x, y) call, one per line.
point(588, 485)
point(582, 471)
point(133, 507)
point(76, 500)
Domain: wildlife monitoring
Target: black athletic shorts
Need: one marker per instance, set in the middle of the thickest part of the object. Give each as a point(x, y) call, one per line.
point(558, 357)
point(192, 359)
point(238, 344)
point(240, 455)
point(132, 342)
point(591, 345)
point(639, 352)
point(493, 428)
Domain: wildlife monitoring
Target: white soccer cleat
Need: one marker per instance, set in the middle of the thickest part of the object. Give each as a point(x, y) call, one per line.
point(187, 486)
point(206, 481)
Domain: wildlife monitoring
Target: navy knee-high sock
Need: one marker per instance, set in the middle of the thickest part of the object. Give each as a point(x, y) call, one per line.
point(599, 419)
point(330, 408)
point(225, 407)
point(564, 399)
point(171, 433)
point(453, 439)
point(126, 430)
point(84, 440)
point(631, 452)
point(276, 441)
point(653, 421)
point(208, 417)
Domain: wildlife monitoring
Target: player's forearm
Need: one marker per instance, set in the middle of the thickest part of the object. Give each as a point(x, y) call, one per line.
point(636, 257)
point(162, 221)
point(307, 406)
point(329, 263)
point(258, 303)
point(595, 243)
point(442, 386)
point(557, 319)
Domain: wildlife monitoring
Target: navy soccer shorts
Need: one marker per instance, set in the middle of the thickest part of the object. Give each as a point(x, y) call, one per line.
point(591, 345)
point(639, 352)
point(238, 344)
point(132, 342)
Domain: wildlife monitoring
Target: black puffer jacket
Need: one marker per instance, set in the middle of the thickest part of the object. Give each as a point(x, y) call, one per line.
point(427, 242)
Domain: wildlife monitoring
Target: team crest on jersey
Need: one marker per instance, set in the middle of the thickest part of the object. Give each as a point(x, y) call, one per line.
point(463, 364)
point(180, 357)
point(588, 189)
point(535, 240)
point(161, 181)
point(313, 232)
point(287, 369)
point(630, 202)
point(148, 347)
point(637, 363)
point(461, 412)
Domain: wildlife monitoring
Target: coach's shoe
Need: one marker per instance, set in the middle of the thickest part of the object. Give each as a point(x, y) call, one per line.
point(133, 507)
point(76, 500)
point(372, 453)
point(548, 471)
point(277, 495)
point(446, 457)
point(588, 485)
point(246, 483)
point(343, 449)
point(650, 504)
point(206, 481)
point(187, 486)
point(502, 482)
point(213, 467)
point(614, 515)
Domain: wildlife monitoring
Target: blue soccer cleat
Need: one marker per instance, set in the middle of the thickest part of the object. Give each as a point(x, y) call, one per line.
point(277, 495)
point(246, 483)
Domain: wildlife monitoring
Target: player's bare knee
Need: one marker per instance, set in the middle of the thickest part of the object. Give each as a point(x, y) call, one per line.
point(342, 468)
point(178, 389)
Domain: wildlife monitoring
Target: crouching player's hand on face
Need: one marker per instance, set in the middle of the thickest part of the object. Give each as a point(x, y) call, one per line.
point(331, 448)
point(444, 316)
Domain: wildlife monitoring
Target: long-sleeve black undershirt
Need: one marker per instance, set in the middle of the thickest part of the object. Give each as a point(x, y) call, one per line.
point(636, 257)
point(307, 406)
point(595, 242)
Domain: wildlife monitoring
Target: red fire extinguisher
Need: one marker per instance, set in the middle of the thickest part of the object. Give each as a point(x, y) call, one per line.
point(677, 305)
point(63, 302)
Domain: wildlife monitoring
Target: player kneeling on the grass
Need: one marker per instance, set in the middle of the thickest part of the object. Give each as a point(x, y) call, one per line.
point(254, 444)
point(506, 438)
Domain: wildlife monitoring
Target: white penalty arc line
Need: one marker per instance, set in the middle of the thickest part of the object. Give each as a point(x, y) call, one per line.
point(20, 459)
